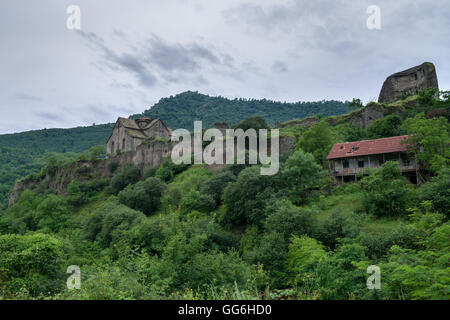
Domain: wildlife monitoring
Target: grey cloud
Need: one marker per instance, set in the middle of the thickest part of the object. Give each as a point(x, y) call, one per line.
point(279, 66)
point(157, 59)
point(50, 116)
point(28, 97)
point(126, 61)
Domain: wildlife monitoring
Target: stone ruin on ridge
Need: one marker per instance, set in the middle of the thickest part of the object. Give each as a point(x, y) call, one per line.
point(410, 81)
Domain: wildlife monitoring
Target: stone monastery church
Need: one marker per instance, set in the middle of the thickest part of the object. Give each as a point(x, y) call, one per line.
point(128, 134)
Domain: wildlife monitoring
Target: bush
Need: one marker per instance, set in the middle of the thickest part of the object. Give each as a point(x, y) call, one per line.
point(301, 173)
point(338, 277)
point(75, 196)
point(52, 213)
point(388, 126)
point(218, 269)
point(287, 220)
point(245, 199)
point(303, 257)
point(111, 222)
point(385, 191)
point(168, 169)
point(215, 186)
point(144, 196)
point(317, 141)
point(150, 172)
point(113, 165)
point(438, 191)
point(31, 263)
point(336, 227)
point(129, 175)
point(194, 200)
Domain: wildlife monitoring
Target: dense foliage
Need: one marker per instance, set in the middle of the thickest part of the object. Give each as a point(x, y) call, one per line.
point(185, 232)
point(25, 153)
point(182, 110)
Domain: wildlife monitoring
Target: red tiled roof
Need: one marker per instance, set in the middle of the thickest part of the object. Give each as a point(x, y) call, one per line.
point(366, 147)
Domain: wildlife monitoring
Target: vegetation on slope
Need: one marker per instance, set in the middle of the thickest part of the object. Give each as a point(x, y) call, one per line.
point(182, 110)
point(24, 153)
point(183, 232)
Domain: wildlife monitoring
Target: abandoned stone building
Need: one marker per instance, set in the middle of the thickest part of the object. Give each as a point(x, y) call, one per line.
point(128, 134)
point(348, 159)
point(410, 81)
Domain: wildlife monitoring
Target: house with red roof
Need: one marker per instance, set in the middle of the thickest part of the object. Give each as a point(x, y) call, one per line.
point(350, 159)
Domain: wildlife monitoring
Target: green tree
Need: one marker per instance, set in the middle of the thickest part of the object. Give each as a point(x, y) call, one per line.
point(215, 186)
point(246, 198)
point(317, 140)
point(303, 257)
point(52, 213)
point(355, 104)
point(385, 191)
point(144, 196)
point(129, 175)
point(75, 196)
point(388, 126)
point(301, 173)
point(32, 263)
point(254, 122)
point(431, 134)
point(96, 153)
point(438, 191)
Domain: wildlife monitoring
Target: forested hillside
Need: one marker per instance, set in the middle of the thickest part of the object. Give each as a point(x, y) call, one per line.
point(184, 232)
point(24, 153)
point(182, 110)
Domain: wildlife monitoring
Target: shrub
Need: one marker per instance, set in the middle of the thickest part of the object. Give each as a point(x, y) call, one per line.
point(75, 196)
point(194, 200)
point(287, 220)
point(111, 222)
point(144, 196)
point(218, 269)
point(150, 172)
point(215, 186)
point(113, 165)
point(246, 198)
point(129, 175)
point(31, 263)
point(336, 227)
point(438, 191)
point(303, 256)
point(52, 213)
point(301, 172)
point(385, 191)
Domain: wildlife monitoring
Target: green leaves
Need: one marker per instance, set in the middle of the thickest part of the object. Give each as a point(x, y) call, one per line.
point(301, 172)
point(429, 139)
point(144, 195)
point(385, 191)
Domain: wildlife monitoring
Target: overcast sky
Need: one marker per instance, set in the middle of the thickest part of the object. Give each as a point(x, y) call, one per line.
point(130, 53)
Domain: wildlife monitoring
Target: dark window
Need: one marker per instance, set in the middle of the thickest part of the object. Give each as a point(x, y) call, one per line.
point(345, 164)
point(112, 147)
point(361, 164)
point(123, 143)
point(415, 76)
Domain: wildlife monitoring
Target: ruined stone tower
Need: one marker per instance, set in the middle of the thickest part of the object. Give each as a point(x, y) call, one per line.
point(410, 81)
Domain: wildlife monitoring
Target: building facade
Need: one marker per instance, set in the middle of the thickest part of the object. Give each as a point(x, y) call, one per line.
point(349, 159)
point(128, 134)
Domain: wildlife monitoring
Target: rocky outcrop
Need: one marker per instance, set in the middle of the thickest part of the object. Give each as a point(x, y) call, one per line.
point(407, 82)
point(307, 122)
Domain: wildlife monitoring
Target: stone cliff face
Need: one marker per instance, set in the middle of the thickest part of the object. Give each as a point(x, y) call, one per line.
point(148, 154)
point(307, 122)
point(410, 81)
